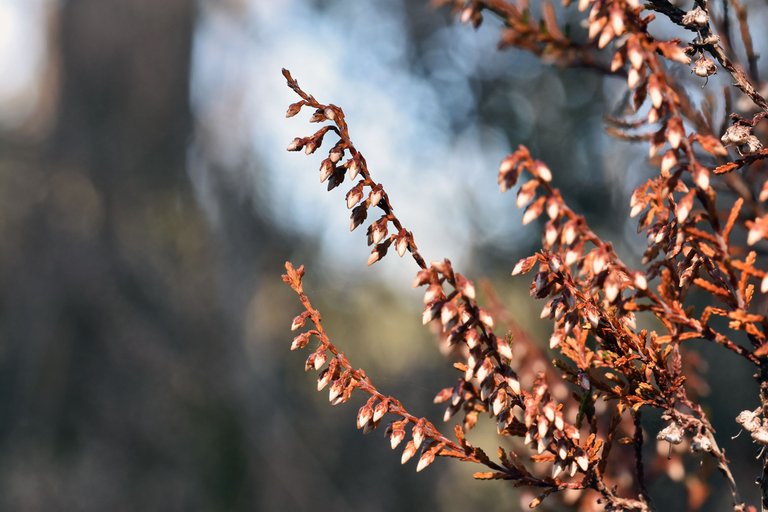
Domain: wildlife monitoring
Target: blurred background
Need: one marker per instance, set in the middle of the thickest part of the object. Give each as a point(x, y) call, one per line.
point(147, 205)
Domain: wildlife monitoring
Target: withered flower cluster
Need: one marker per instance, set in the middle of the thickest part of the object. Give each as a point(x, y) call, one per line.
point(701, 214)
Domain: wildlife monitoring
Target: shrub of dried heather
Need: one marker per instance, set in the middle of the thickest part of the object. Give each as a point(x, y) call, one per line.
point(616, 371)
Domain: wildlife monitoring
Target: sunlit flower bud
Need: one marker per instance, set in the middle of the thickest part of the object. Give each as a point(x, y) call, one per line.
point(684, 207)
point(296, 144)
point(503, 348)
point(408, 452)
point(364, 415)
point(335, 390)
point(354, 196)
point(299, 321)
point(485, 317)
point(324, 379)
point(300, 341)
point(606, 36)
point(752, 145)
point(596, 27)
point(326, 169)
point(401, 245)
point(465, 286)
point(543, 172)
point(653, 115)
point(397, 436)
point(425, 460)
point(617, 20)
point(499, 402)
point(418, 435)
point(617, 62)
point(736, 134)
point(672, 434)
point(380, 410)
point(353, 168)
point(704, 67)
point(641, 283)
point(320, 359)
point(675, 132)
point(335, 155)
point(582, 461)
point(668, 161)
point(513, 384)
point(376, 194)
point(701, 443)
point(701, 177)
point(697, 18)
point(472, 338)
point(634, 54)
point(654, 91)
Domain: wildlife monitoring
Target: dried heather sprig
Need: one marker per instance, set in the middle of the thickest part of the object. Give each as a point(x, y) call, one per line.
point(592, 297)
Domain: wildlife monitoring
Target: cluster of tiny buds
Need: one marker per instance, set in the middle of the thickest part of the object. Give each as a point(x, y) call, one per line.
point(704, 67)
point(755, 424)
point(673, 434)
point(740, 135)
point(696, 18)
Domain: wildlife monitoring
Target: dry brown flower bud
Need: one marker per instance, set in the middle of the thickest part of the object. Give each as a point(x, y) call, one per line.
point(364, 415)
point(448, 313)
point(377, 192)
point(296, 144)
point(684, 207)
point(355, 195)
point(499, 402)
point(335, 155)
point(736, 134)
point(524, 265)
point(299, 320)
point(697, 17)
point(396, 437)
point(465, 286)
point(634, 53)
point(485, 317)
point(430, 312)
point(359, 214)
point(668, 161)
point(408, 452)
point(701, 177)
point(425, 460)
point(672, 434)
point(300, 341)
point(319, 359)
point(704, 67)
point(675, 133)
point(353, 167)
point(294, 108)
point(503, 348)
point(380, 410)
point(758, 229)
point(752, 145)
point(701, 443)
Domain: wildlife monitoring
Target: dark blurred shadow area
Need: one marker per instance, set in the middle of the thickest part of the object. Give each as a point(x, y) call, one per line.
point(146, 211)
